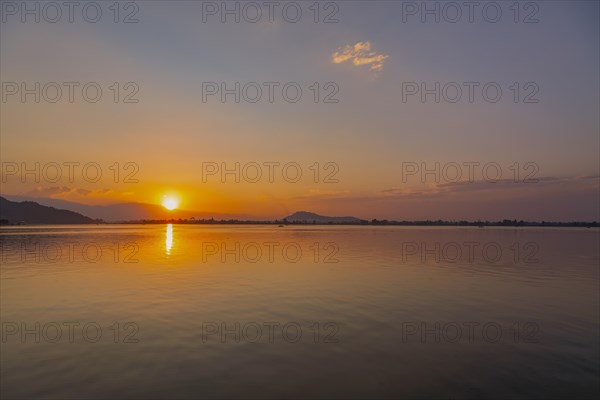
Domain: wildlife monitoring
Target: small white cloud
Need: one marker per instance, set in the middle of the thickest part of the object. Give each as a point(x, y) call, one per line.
point(360, 53)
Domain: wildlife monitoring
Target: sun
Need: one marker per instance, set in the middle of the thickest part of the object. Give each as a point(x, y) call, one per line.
point(170, 203)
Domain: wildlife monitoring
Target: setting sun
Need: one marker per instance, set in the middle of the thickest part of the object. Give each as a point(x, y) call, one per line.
point(170, 203)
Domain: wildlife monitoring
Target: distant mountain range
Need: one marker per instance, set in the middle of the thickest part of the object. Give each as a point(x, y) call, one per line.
point(30, 212)
point(56, 211)
point(309, 218)
point(126, 211)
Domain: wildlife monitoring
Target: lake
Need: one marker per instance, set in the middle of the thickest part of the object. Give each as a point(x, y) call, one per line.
point(262, 311)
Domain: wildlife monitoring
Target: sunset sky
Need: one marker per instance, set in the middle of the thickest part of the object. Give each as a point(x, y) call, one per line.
point(369, 133)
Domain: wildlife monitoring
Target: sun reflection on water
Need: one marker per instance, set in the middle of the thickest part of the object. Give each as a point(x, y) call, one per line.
point(169, 239)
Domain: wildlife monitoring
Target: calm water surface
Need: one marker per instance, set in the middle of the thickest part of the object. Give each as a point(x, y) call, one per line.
point(175, 311)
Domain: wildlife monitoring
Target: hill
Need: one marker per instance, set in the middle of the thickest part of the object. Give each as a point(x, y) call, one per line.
point(31, 212)
point(305, 217)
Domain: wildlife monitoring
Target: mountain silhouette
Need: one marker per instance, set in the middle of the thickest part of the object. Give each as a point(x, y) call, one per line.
point(309, 218)
point(30, 212)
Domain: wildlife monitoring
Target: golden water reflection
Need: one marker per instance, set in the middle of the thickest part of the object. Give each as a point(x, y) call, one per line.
point(169, 238)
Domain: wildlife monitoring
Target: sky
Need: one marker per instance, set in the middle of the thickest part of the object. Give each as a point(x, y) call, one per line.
point(367, 135)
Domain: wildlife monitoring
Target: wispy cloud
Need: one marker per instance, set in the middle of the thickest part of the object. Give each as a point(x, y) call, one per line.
point(65, 191)
point(360, 54)
point(532, 188)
